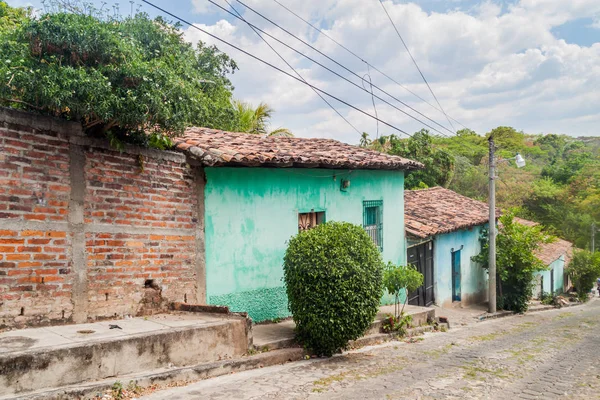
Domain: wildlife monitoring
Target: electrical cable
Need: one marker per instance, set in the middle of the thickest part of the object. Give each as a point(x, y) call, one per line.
point(293, 69)
point(274, 66)
point(363, 60)
point(332, 71)
point(372, 98)
point(415, 62)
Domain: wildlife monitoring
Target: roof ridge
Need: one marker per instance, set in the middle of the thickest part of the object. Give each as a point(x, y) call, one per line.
point(210, 147)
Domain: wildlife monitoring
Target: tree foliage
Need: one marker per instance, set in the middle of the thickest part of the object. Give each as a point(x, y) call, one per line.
point(398, 278)
point(132, 78)
point(439, 164)
point(257, 120)
point(516, 262)
point(333, 275)
point(584, 269)
point(559, 187)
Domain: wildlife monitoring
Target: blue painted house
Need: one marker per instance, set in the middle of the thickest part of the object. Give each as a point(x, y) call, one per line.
point(443, 232)
point(258, 192)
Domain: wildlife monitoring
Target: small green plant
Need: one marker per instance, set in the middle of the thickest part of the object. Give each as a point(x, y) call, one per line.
point(117, 390)
point(134, 388)
point(333, 275)
point(398, 278)
point(547, 299)
point(397, 325)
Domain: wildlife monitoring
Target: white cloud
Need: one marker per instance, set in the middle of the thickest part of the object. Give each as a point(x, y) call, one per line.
point(488, 65)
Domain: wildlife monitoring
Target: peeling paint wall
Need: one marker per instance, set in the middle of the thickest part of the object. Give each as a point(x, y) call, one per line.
point(474, 279)
point(252, 212)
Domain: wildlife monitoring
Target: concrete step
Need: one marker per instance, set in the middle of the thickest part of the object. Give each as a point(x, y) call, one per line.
point(281, 335)
point(163, 377)
point(41, 358)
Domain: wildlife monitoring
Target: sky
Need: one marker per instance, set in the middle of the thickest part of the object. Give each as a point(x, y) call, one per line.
point(530, 64)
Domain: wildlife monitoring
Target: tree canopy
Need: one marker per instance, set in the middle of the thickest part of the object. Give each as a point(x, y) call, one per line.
point(133, 79)
point(559, 187)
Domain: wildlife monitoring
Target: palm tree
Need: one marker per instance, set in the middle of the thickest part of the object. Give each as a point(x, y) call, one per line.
point(364, 140)
point(257, 120)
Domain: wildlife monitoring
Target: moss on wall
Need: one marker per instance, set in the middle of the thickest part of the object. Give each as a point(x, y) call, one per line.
point(260, 304)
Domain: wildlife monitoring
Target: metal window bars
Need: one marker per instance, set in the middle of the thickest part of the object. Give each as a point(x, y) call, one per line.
point(373, 221)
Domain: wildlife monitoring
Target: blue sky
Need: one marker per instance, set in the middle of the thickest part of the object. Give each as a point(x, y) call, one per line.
point(531, 64)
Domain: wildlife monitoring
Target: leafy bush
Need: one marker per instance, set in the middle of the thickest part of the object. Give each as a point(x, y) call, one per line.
point(584, 269)
point(132, 79)
point(516, 262)
point(333, 275)
point(397, 278)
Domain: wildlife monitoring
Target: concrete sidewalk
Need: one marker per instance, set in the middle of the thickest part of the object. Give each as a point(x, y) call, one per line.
point(67, 335)
point(50, 357)
point(280, 335)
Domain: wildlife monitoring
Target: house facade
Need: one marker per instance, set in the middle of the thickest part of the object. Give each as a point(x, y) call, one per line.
point(260, 192)
point(444, 230)
point(88, 232)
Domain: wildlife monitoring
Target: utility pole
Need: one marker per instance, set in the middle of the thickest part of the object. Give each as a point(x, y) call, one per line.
point(492, 228)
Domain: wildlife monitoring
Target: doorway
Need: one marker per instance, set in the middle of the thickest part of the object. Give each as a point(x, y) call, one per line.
point(456, 275)
point(421, 257)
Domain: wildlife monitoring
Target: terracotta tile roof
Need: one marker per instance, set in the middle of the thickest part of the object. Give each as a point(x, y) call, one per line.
point(525, 222)
point(550, 252)
point(220, 148)
point(429, 212)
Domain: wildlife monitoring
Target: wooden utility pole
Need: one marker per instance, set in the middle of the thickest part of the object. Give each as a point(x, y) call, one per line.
point(492, 228)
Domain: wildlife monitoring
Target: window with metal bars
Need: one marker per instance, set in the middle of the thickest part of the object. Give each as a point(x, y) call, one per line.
point(373, 221)
point(309, 220)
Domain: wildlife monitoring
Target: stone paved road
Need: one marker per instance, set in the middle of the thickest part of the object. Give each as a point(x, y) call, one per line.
point(547, 355)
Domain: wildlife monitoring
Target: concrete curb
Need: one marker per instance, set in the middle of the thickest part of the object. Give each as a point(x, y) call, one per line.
point(166, 376)
point(502, 314)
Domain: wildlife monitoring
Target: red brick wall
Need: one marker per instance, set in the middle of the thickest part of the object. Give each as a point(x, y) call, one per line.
point(120, 192)
point(138, 223)
point(35, 270)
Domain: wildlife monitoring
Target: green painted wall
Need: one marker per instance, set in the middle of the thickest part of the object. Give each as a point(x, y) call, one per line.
point(250, 213)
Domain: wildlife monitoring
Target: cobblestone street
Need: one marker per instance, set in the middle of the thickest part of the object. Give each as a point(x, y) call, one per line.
point(552, 354)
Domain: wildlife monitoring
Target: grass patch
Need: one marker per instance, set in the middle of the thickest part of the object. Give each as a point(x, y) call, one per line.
point(437, 353)
point(564, 315)
point(474, 372)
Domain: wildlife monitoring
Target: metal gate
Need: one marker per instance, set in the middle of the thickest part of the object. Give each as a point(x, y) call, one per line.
point(421, 256)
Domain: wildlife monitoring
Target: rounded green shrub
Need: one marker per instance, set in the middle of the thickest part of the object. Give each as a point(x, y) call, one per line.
point(333, 275)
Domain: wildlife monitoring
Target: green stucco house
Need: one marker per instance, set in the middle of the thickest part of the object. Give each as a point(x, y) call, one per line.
point(258, 192)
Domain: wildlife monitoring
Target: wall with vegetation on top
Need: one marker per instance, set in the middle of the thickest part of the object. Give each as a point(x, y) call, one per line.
point(474, 279)
point(252, 212)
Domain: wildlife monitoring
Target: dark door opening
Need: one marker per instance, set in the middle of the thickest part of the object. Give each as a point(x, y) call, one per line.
point(421, 257)
point(456, 276)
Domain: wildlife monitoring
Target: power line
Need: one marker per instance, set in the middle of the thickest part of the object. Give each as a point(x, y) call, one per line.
point(274, 67)
point(415, 62)
point(366, 62)
point(372, 96)
point(336, 62)
point(332, 71)
point(293, 69)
